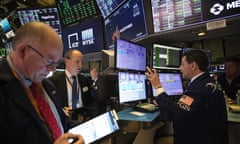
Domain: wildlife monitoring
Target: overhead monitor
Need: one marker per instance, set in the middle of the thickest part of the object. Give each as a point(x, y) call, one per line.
point(130, 55)
point(168, 14)
point(166, 57)
point(172, 83)
point(87, 36)
point(48, 15)
point(129, 20)
point(108, 6)
point(132, 87)
point(216, 9)
point(74, 11)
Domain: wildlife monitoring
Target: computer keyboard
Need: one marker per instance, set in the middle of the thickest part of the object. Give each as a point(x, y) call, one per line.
point(146, 107)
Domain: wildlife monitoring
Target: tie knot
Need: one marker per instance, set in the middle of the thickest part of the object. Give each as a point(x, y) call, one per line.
point(74, 77)
point(33, 86)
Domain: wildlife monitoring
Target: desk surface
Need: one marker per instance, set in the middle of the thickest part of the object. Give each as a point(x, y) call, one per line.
point(147, 117)
point(233, 113)
point(233, 117)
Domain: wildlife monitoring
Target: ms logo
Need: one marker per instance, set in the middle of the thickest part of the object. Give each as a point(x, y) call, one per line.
point(216, 9)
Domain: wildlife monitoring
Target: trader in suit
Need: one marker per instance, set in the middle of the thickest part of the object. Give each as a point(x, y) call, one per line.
point(29, 111)
point(65, 86)
point(230, 79)
point(199, 115)
point(98, 91)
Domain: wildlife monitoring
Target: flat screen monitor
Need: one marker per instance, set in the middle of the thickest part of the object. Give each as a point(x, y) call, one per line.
point(130, 55)
point(108, 6)
point(87, 36)
point(74, 11)
point(48, 15)
point(166, 57)
point(168, 14)
point(132, 87)
point(172, 84)
point(129, 20)
point(215, 9)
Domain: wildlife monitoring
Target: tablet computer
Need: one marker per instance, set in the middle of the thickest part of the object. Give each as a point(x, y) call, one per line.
point(97, 128)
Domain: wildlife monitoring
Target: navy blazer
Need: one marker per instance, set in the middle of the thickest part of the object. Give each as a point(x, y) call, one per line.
point(19, 122)
point(59, 80)
point(204, 121)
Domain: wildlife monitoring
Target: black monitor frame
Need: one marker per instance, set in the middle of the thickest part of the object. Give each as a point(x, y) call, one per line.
point(132, 61)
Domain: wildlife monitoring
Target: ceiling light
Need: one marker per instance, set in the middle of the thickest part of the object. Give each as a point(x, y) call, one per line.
point(201, 34)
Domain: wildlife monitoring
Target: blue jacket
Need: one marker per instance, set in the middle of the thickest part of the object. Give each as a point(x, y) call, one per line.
point(200, 117)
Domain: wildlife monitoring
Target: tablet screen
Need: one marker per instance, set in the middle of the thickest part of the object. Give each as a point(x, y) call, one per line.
point(97, 127)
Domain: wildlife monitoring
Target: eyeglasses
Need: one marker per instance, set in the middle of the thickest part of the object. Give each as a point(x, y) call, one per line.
point(47, 61)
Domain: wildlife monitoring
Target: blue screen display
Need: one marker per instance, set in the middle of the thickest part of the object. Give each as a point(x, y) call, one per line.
point(86, 36)
point(130, 56)
point(132, 87)
point(129, 20)
point(108, 6)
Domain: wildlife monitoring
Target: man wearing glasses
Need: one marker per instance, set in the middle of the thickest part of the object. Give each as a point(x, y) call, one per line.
point(29, 111)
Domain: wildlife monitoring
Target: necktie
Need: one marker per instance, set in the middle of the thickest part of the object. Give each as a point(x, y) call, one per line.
point(46, 112)
point(74, 93)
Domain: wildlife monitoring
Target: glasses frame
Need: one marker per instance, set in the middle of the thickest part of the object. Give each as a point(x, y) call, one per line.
point(48, 62)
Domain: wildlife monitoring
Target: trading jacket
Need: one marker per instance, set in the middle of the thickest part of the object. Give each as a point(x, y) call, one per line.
point(199, 116)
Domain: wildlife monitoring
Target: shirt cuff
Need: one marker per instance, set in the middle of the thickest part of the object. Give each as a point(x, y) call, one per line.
point(159, 91)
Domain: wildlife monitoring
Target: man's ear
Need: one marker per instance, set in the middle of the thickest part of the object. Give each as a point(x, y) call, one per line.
point(22, 51)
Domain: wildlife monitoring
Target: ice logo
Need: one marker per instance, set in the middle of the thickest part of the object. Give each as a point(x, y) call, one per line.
point(216, 9)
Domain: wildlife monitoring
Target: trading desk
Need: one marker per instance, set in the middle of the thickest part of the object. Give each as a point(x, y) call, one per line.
point(147, 131)
point(233, 127)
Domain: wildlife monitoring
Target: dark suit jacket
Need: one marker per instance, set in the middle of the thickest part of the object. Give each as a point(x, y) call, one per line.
point(19, 122)
point(60, 82)
point(204, 121)
point(99, 92)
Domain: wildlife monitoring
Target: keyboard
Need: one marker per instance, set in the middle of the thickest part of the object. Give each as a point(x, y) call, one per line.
point(146, 107)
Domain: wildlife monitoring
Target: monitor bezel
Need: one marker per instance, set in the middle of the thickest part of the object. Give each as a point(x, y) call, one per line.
point(41, 8)
point(169, 72)
point(116, 56)
point(132, 101)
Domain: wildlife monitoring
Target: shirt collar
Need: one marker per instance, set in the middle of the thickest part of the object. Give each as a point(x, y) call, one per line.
point(68, 74)
point(196, 76)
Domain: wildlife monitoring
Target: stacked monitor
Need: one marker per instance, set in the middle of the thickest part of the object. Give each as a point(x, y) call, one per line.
point(166, 57)
point(87, 36)
point(130, 55)
point(171, 82)
point(132, 87)
point(130, 61)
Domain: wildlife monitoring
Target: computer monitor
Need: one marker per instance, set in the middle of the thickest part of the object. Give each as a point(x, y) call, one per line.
point(108, 6)
point(171, 82)
point(130, 55)
point(166, 57)
point(48, 15)
point(87, 36)
point(129, 19)
point(132, 87)
point(76, 11)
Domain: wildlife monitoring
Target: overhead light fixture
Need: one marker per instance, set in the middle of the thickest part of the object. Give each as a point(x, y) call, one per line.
point(202, 33)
